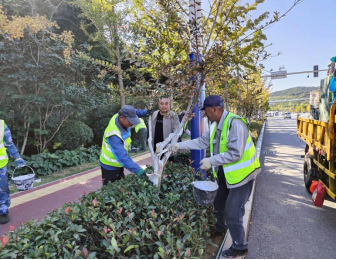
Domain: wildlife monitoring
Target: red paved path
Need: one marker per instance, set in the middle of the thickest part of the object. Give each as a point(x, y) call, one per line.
point(41, 205)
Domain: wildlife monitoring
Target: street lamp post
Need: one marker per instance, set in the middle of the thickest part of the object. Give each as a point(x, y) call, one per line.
point(197, 123)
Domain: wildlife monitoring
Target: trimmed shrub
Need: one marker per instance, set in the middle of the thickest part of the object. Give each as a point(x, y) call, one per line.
point(99, 128)
point(126, 219)
point(255, 128)
point(74, 134)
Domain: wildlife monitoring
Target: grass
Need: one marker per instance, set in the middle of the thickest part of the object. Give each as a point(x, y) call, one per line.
point(69, 171)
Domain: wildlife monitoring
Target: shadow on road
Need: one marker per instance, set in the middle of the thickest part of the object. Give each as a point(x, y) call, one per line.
point(285, 223)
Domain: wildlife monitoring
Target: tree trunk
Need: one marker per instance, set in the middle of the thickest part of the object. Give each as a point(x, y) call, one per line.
point(238, 107)
point(226, 96)
point(120, 82)
point(26, 125)
point(120, 72)
point(159, 160)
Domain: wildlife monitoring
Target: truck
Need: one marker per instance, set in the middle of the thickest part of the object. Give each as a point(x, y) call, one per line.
point(320, 151)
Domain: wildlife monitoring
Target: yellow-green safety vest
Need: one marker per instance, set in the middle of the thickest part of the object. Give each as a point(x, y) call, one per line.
point(3, 153)
point(107, 155)
point(140, 125)
point(236, 172)
point(185, 125)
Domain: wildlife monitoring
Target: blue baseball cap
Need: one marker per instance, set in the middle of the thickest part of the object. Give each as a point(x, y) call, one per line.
point(212, 101)
point(129, 112)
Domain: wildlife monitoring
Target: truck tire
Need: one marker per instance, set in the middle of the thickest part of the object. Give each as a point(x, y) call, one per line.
point(309, 171)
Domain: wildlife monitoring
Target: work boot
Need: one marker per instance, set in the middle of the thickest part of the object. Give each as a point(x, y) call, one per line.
point(233, 253)
point(4, 219)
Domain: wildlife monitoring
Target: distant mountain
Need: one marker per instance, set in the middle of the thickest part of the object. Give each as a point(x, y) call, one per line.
point(292, 93)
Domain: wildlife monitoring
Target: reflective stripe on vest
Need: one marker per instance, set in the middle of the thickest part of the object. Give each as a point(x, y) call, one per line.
point(140, 125)
point(114, 132)
point(212, 131)
point(237, 171)
point(250, 144)
point(108, 157)
point(3, 153)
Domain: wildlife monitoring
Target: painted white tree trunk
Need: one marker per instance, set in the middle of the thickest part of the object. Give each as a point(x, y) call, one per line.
point(195, 23)
point(160, 159)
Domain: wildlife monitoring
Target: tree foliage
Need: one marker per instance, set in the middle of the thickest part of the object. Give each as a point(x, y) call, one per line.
point(227, 45)
point(72, 60)
point(110, 20)
point(43, 81)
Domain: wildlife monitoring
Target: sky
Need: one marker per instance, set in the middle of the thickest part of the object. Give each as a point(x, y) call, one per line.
point(306, 36)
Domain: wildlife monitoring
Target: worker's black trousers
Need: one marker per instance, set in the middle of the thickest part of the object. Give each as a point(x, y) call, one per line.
point(112, 175)
point(229, 205)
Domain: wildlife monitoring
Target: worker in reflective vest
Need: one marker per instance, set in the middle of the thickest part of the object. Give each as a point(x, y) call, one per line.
point(142, 129)
point(115, 146)
point(7, 147)
point(235, 164)
point(185, 129)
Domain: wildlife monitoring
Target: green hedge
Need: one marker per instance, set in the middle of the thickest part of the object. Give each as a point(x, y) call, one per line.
point(47, 163)
point(127, 219)
point(73, 134)
point(255, 128)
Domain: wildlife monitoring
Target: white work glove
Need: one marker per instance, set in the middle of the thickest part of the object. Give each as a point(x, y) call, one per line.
point(173, 147)
point(205, 164)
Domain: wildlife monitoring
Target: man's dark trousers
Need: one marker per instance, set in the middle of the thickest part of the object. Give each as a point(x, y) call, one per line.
point(229, 205)
point(111, 175)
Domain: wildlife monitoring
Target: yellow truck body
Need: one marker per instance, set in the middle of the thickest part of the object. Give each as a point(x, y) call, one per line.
point(320, 151)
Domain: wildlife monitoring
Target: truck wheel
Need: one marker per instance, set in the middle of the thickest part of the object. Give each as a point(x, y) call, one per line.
point(309, 172)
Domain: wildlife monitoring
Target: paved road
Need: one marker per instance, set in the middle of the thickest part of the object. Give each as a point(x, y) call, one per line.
point(285, 223)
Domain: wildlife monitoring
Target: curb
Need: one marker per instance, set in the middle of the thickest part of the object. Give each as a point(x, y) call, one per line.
point(227, 241)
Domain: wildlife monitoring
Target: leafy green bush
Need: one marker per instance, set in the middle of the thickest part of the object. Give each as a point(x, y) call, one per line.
point(73, 134)
point(255, 128)
point(126, 219)
point(47, 163)
point(99, 128)
point(184, 157)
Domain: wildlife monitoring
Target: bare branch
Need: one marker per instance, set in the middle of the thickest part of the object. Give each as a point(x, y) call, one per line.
point(58, 128)
point(214, 22)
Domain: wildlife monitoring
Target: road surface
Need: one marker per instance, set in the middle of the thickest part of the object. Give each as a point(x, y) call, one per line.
point(285, 223)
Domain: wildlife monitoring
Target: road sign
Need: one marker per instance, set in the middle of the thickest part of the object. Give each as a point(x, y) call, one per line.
point(279, 74)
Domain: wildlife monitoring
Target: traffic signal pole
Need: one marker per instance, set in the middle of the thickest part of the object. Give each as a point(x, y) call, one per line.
point(285, 73)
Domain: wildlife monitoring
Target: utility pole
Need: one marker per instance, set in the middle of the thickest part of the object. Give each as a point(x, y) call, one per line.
point(197, 123)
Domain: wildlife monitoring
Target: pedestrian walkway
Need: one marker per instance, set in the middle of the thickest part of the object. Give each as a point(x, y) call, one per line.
point(36, 203)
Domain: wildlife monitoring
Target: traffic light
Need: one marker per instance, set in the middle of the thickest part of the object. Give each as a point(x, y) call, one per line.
point(315, 71)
